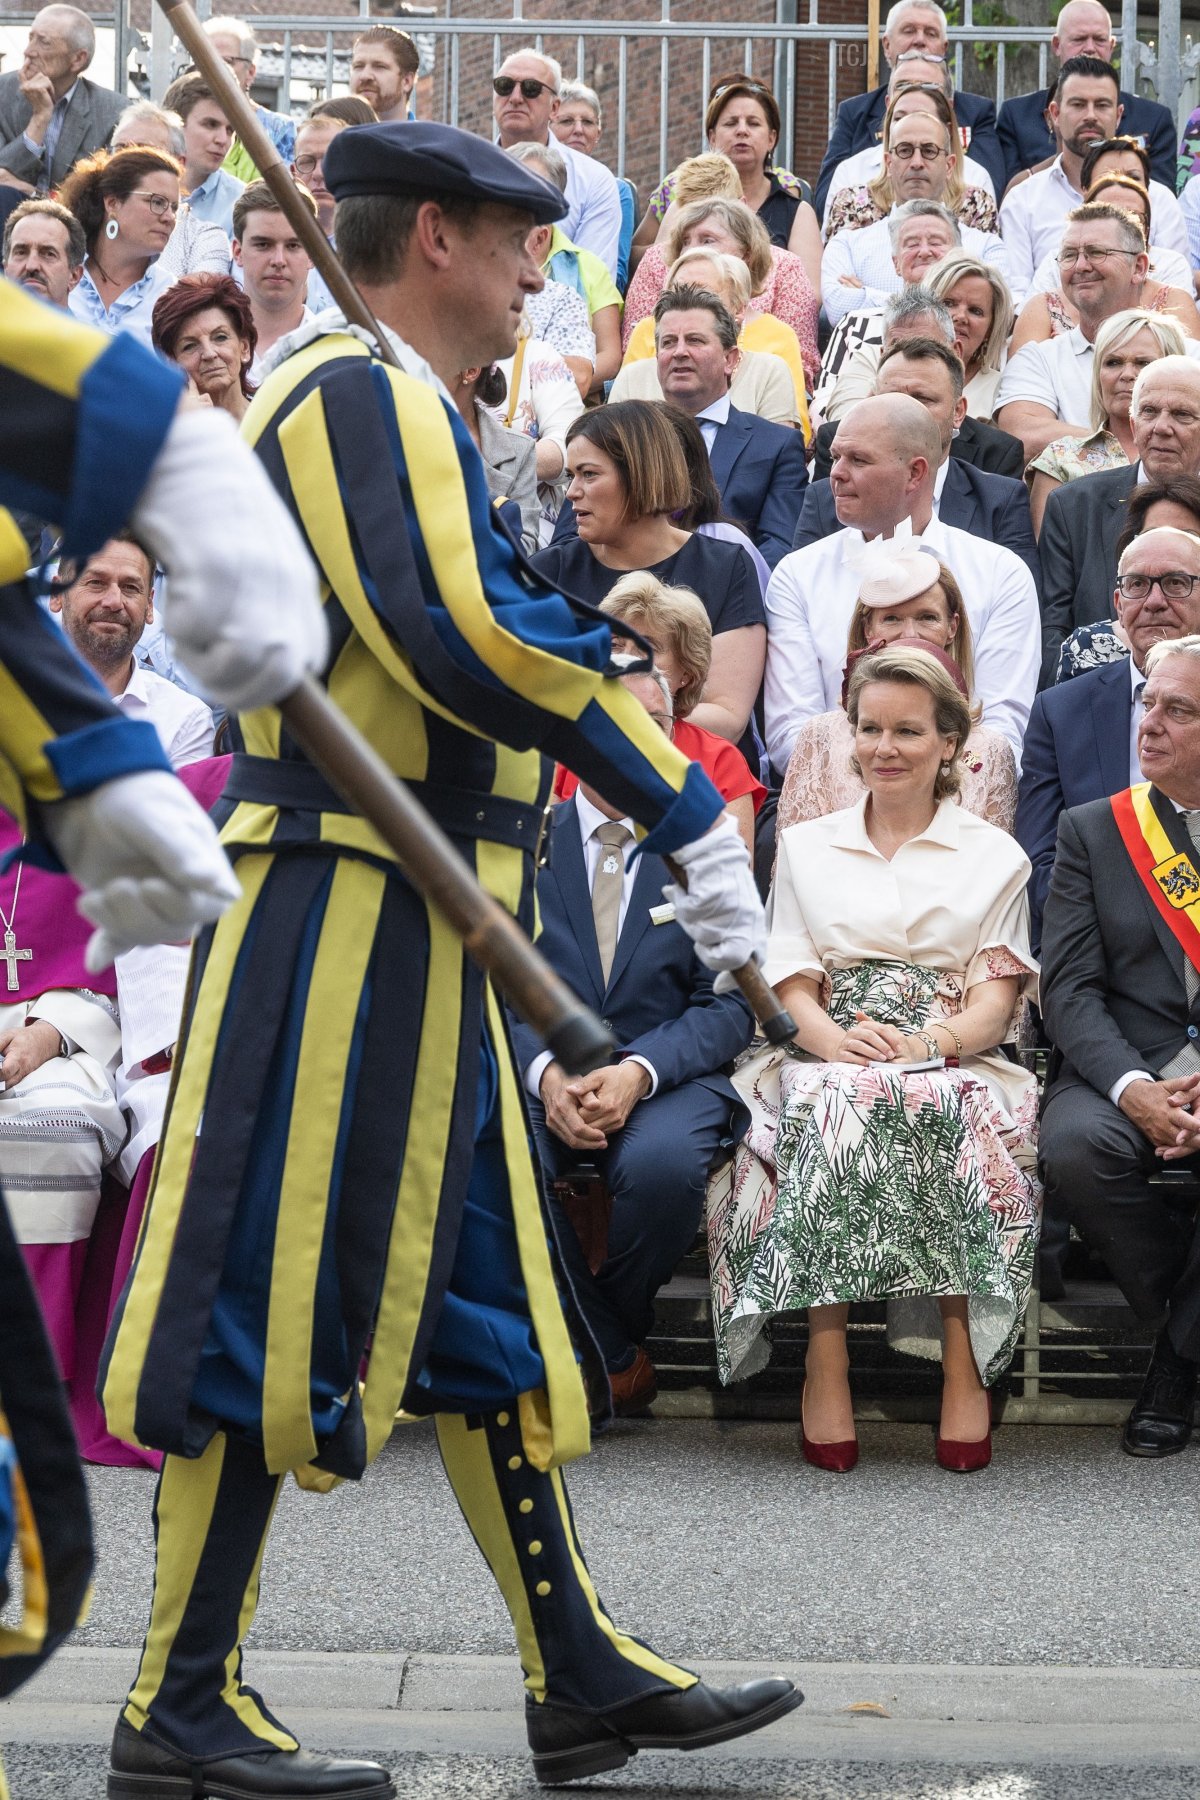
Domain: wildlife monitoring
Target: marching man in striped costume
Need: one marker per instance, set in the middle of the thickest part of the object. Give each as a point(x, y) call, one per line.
point(345, 1172)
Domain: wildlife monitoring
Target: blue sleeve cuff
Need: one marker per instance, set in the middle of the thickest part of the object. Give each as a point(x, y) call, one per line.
point(688, 817)
point(83, 760)
point(127, 397)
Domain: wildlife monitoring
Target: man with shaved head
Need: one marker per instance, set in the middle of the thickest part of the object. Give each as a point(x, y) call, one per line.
point(1083, 28)
point(886, 455)
point(50, 113)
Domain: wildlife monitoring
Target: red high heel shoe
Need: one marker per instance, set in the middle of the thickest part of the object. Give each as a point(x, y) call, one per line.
point(964, 1459)
point(838, 1458)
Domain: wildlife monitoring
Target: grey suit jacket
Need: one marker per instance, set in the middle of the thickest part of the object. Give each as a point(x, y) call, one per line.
point(1078, 547)
point(89, 123)
point(1112, 989)
point(509, 459)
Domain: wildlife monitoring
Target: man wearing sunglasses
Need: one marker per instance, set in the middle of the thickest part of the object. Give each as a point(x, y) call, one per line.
point(525, 98)
point(911, 25)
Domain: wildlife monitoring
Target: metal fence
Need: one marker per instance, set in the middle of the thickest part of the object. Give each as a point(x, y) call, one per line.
point(315, 51)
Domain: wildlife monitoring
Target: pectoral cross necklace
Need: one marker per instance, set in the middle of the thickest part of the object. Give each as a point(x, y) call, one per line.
point(10, 955)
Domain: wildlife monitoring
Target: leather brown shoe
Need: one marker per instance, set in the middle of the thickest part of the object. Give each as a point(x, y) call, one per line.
point(569, 1742)
point(634, 1388)
point(1161, 1421)
point(140, 1769)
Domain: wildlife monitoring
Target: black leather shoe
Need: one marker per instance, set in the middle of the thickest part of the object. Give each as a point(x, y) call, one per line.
point(142, 1770)
point(569, 1743)
point(1161, 1421)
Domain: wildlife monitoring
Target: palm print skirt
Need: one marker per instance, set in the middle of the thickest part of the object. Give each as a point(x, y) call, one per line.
point(861, 1183)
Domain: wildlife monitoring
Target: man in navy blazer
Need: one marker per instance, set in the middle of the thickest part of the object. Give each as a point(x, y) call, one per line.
point(989, 506)
point(911, 26)
point(758, 466)
point(1083, 28)
point(654, 1121)
point(1080, 743)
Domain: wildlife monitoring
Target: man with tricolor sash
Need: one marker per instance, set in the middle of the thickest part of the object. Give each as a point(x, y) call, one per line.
point(1121, 1004)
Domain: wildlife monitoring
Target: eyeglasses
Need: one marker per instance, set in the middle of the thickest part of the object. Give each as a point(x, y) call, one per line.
point(929, 152)
point(159, 205)
point(305, 165)
point(1175, 585)
point(504, 85)
point(1095, 253)
point(244, 60)
point(919, 56)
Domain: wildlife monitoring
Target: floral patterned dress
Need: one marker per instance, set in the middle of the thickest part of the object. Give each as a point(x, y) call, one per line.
point(860, 1183)
point(853, 207)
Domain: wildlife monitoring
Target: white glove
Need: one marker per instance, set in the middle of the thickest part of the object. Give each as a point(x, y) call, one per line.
point(148, 860)
point(242, 607)
point(721, 911)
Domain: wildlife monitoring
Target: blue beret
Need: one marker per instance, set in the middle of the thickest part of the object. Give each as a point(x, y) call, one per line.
point(420, 158)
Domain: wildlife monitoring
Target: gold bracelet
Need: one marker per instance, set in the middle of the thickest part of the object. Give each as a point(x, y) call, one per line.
point(942, 1026)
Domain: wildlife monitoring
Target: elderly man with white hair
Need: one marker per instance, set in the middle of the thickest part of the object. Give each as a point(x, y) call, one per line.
point(861, 268)
point(526, 90)
point(50, 113)
point(911, 25)
point(1084, 518)
point(886, 457)
point(1120, 996)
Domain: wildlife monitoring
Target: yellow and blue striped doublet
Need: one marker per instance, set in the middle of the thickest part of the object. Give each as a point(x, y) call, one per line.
point(346, 1143)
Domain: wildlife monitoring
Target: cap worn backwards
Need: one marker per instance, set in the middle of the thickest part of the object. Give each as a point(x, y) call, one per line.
point(424, 159)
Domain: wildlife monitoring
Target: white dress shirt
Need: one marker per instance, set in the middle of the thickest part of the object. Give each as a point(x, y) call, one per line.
point(866, 253)
point(857, 170)
point(590, 820)
point(183, 723)
point(1034, 213)
point(594, 221)
point(713, 416)
point(810, 601)
point(1189, 206)
point(1137, 681)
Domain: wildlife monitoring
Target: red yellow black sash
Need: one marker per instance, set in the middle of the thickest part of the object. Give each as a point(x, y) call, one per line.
point(1169, 875)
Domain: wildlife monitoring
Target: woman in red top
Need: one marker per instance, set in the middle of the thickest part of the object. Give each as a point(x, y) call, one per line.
point(674, 623)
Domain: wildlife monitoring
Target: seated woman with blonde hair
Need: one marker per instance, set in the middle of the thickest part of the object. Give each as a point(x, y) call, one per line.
point(1125, 345)
point(907, 596)
point(778, 282)
point(672, 620)
point(891, 1153)
point(769, 379)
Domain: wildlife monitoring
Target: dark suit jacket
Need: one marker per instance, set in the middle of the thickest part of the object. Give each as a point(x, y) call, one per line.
point(760, 470)
point(659, 997)
point(1076, 749)
point(1113, 995)
point(988, 506)
point(982, 445)
point(89, 123)
point(1025, 138)
point(1080, 527)
point(860, 120)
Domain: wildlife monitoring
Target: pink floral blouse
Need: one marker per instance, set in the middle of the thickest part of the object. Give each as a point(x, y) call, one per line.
point(788, 295)
point(851, 207)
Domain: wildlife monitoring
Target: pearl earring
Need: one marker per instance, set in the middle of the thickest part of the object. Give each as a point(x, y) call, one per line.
point(111, 230)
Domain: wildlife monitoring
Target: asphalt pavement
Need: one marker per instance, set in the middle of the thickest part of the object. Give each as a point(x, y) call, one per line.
point(1028, 1633)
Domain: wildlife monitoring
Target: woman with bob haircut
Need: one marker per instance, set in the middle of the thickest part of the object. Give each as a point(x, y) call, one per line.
point(628, 478)
point(205, 325)
point(891, 1153)
point(906, 595)
point(778, 282)
point(127, 202)
point(672, 620)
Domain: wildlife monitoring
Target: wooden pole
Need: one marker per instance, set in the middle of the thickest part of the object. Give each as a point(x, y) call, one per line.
point(362, 778)
point(872, 44)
